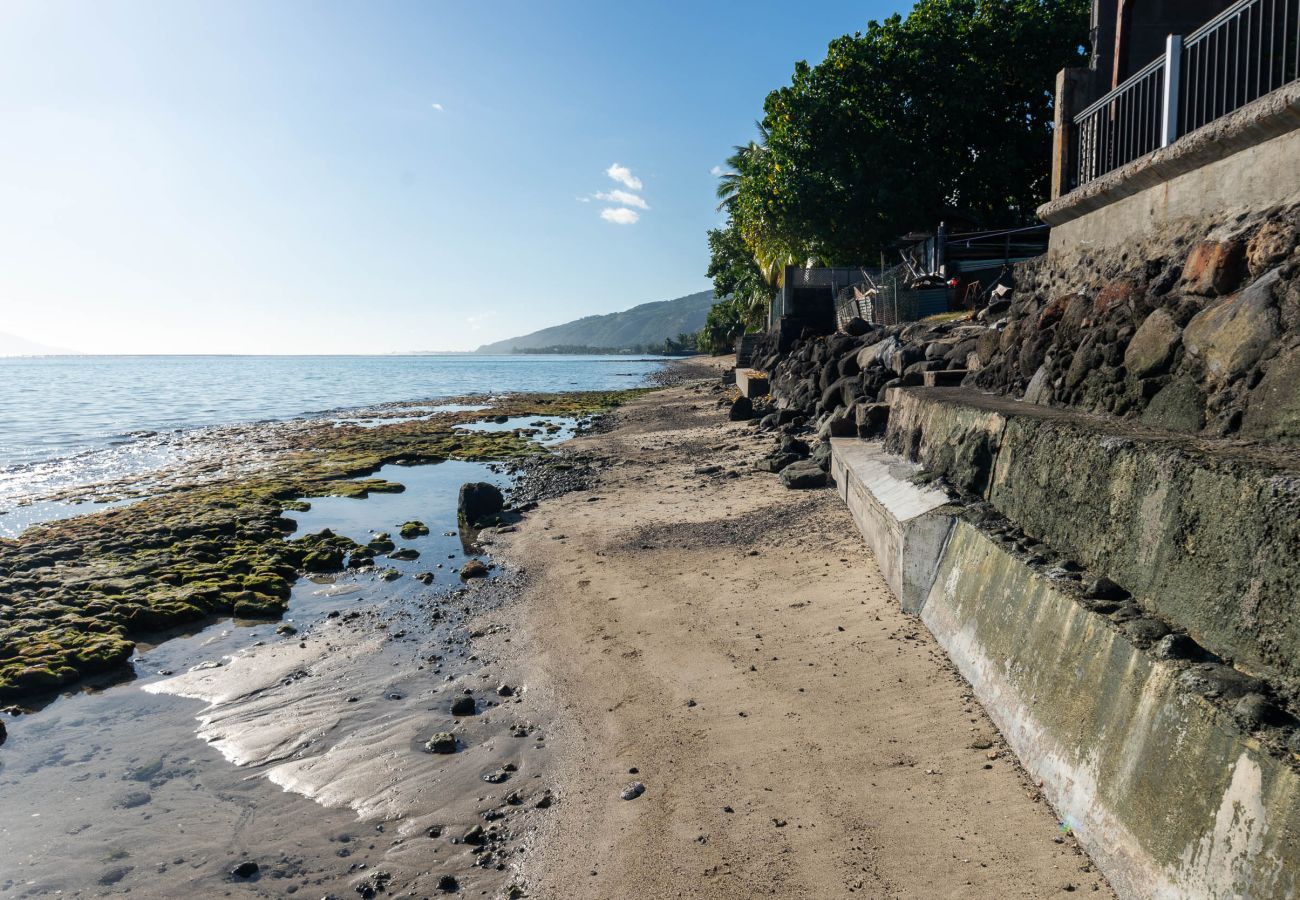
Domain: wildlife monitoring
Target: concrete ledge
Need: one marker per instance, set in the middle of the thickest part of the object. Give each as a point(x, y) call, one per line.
point(1204, 534)
point(905, 524)
point(752, 383)
point(1203, 174)
point(1170, 798)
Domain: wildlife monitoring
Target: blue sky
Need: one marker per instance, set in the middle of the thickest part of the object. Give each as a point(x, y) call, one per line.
point(299, 177)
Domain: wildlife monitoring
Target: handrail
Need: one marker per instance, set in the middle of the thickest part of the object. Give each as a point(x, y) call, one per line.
point(1123, 88)
point(1246, 51)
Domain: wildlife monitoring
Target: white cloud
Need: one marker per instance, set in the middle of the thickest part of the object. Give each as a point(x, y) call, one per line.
point(716, 171)
point(476, 322)
point(623, 175)
point(622, 197)
point(620, 216)
point(437, 106)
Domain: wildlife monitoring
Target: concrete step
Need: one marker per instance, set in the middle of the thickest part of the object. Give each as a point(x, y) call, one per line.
point(1144, 754)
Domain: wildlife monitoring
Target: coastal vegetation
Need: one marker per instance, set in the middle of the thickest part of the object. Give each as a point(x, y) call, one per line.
point(80, 591)
point(944, 114)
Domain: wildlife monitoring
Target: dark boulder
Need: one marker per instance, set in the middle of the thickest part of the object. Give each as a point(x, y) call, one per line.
point(803, 475)
point(480, 505)
point(742, 410)
point(857, 327)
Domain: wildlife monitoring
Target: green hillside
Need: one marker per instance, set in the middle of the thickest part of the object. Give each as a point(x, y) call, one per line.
point(649, 323)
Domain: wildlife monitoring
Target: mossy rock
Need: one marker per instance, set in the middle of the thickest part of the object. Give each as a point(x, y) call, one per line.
point(413, 529)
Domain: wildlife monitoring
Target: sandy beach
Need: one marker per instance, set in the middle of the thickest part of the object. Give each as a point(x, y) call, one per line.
point(731, 645)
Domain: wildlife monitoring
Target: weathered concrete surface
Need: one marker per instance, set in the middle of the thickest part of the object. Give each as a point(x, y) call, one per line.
point(752, 383)
point(1167, 792)
point(1204, 534)
point(905, 524)
point(1244, 162)
point(1169, 797)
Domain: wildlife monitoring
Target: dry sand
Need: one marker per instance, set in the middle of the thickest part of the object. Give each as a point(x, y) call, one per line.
point(798, 735)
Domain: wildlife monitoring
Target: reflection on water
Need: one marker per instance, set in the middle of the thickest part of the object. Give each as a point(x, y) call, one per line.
point(108, 790)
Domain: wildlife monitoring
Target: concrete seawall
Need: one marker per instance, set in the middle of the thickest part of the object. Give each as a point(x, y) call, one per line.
point(1205, 534)
point(1144, 745)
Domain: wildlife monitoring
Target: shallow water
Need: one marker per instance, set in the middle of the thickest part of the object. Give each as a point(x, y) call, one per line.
point(77, 420)
point(109, 790)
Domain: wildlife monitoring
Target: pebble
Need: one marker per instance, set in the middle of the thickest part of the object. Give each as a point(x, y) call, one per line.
point(246, 869)
point(633, 790)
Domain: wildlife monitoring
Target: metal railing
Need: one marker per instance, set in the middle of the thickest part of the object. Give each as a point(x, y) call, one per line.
point(1122, 125)
point(1248, 50)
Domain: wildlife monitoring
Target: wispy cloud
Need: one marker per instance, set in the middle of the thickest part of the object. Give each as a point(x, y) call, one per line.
point(716, 171)
point(476, 322)
point(623, 175)
point(437, 106)
point(620, 216)
point(623, 197)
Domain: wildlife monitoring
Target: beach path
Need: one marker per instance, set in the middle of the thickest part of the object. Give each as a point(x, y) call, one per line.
point(796, 733)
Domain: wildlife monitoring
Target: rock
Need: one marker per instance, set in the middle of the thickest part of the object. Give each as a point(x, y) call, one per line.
point(405, 553)
point(448, 884)
point(441, 742)
point(473, 568)
point(1152, 347)
point(424, 577)
point(1039, 389)
point(413, 529)
point(480, 505)
point(742, 410)
point(4, 733)
point(868, 356)
point(871, 419)
point(1214, 267)
point(505, 690)
point(803, 475)
point(792, 444)
point(286, 629)
point(857, 327)
point(390, 574)
point(464, 705)
point(822, 456)
point(1271, 245)
point(1230, 336)
point(246, 869)
point(632, 791)
point(1176, 646)
point(1104, 589)
point(776, 462)
point(841, 423)
point(1179, 406)
point(1273, 413)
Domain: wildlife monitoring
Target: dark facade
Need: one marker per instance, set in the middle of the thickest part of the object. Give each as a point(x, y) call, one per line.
point(1128, 34)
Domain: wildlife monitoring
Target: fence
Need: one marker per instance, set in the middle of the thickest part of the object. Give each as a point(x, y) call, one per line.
point(1248, 50)
point(888, 301)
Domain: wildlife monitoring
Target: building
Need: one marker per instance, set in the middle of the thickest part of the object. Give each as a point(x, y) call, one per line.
point(1189, 108)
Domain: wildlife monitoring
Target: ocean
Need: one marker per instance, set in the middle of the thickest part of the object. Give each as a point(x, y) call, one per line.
point(68, 421)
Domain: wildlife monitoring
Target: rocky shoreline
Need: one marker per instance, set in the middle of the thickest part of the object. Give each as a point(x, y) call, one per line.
point(82, 591)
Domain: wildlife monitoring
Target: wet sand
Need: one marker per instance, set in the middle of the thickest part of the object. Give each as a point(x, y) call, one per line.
point(732, 645)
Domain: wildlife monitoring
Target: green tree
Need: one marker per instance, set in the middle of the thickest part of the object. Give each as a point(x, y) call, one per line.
point(944, 114)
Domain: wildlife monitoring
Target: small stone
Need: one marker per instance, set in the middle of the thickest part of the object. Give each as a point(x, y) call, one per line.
point(633, 790)
point(464, 706)
point(441, 742)
point(505, 690)
point(473, 568)
point(448, 884)
point(246, 869)
point(475, 836)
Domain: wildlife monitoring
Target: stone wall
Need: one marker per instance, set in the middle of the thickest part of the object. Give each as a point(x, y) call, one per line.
point(1197, 332)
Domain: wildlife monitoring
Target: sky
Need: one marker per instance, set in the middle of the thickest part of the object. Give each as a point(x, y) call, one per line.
point(369, 177)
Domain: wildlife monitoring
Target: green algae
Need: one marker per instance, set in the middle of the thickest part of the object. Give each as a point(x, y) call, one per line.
point(75, 593)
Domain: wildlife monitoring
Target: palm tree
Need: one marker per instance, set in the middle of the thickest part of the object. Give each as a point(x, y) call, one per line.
point(740, 164)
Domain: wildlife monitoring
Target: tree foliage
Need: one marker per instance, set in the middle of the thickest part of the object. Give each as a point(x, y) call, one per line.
point(944, 114)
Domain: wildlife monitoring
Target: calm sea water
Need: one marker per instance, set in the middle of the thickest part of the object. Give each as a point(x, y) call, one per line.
point(66, 421)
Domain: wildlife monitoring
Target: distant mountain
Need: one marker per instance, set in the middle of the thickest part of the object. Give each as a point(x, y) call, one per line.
point(13, 345)
point(649, 323)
